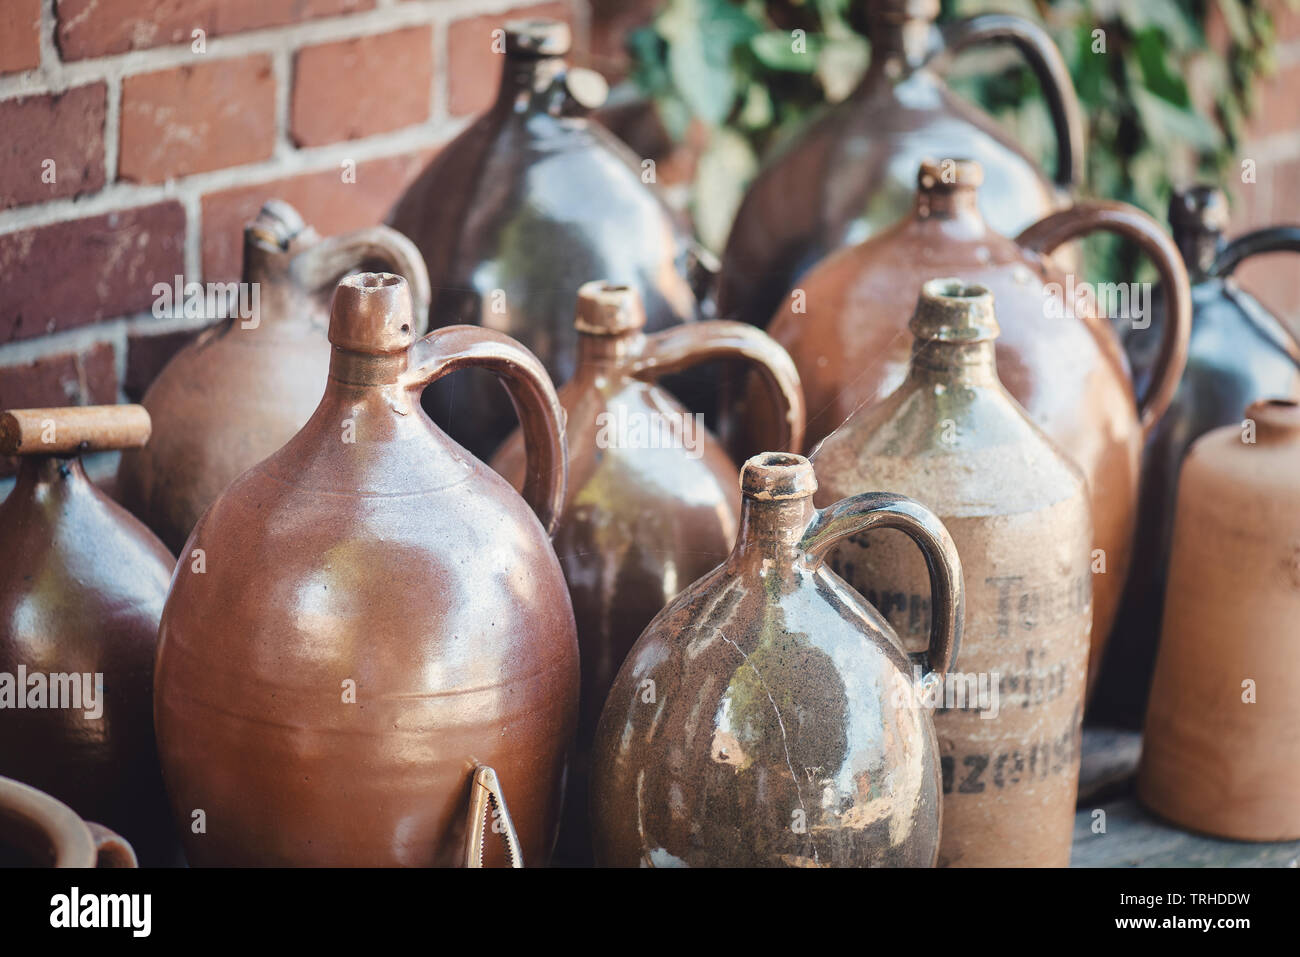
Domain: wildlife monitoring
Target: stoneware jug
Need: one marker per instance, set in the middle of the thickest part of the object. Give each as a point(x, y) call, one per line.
point(246, 386)
point(1239, 352)
point(82, 585)
point(369, 615)
point(526, 205)
point(1221, 754)
point(1057, 353)
point(37, 830)
point(651, 502)
point(953, 437)
point(767, 716)
point(850, 174)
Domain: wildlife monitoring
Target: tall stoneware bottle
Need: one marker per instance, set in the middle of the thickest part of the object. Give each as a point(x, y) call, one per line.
point(367, 617)
point(651, 503)
point(82, 585)
point(531, 201)
point(1239, 352)
point(849, 176)
point(846, 329)
point(1221, 752)
point(953, 437)
point(245, 387)
point(767, 717)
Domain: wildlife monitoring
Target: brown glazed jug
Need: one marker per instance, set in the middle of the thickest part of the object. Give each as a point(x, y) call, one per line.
point(37, 830)
point(246, 386)
point(364, 619)
point(767, 716)
point(850, 175)
point(1017, 508)
point(846, 329)
point(651, 502)
point(1221, 753)
point(82, 585)
point(527, 204)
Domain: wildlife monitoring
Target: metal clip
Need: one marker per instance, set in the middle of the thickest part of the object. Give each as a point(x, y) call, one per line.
point(485, 790)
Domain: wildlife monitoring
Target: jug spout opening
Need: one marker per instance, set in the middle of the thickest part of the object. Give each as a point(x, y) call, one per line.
point(1197, 217)
point(948, 188)
point(372, 314)
point(776, 505)
point(1275, 419)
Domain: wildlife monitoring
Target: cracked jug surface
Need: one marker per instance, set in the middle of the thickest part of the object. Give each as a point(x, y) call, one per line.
point(651, 502)
point(1056, 353)
point(526, 205)
point(246, 386)
point(953, 437)
point(768, 717)
point(850, 174)
point(366, 618)
point(82, 586)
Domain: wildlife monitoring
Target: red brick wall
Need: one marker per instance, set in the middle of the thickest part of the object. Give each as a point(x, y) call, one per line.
point(129, 155)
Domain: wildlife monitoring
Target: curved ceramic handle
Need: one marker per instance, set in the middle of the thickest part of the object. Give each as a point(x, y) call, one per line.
point(1130, 222)
point(485, 792)
point(323, 264)
point(861, 513)
point(1275, 239)
point(1045, 59)
point(692, 343)
point(458, 347)
point(111, 849)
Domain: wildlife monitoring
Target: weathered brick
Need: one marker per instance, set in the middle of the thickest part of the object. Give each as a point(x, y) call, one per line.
point(74, 273)
point(473, 69)
point(89, 28)
point(362, 86)
point(53, 145)
point(147, 354)
point(328, 203)
point(1276, 109)
point(86, 377)
point(196, 118)
point(20, 35)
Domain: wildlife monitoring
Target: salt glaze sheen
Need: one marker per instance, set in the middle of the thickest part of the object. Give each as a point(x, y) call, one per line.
point(363, 620)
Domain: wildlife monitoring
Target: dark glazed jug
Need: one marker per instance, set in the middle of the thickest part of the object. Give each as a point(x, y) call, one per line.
point(651, 503)
point(37, 830)
point(767, 716)
point(82, 585)
point(953, 437)
point(1239, 352)
point(366, 617)
point(525, 206)
point(1057, 355)
point(246, 386)
point(850, 175)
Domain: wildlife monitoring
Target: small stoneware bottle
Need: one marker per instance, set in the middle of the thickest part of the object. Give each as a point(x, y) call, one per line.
point(953, 437)
point(1221, 753)
point(532, 200)
point(1057, 352)
point(246, 386)
point(651, 503)
point(37, 830)
point(849, 175)
point(82, 585)
point(1239, 352)
point(367, 617)
point(768, 715)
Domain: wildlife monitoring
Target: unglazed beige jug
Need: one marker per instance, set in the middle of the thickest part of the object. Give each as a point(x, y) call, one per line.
point(1221, 751)
point(1009, 718)
point(364, 621)
point(246, 386)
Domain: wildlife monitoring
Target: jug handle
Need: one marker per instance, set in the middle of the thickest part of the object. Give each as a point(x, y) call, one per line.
point(868, 510)
point(485, 792)
point(1275, 239)
point(692, 343)
point(451, 348)
point(1036, 46)
point(1050, 232)
point(111, 848)
point(323, 264)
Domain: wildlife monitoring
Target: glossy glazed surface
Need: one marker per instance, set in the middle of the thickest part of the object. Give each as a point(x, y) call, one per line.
point(377, 614)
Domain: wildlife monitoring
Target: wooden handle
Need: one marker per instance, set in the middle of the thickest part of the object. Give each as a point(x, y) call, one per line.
point(73, 429)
